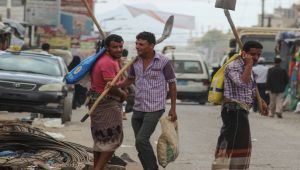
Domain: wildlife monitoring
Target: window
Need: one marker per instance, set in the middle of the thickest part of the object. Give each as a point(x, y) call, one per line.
point(184, 66)
point(30, 64)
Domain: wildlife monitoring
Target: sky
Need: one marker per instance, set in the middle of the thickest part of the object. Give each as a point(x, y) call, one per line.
point(206, 15)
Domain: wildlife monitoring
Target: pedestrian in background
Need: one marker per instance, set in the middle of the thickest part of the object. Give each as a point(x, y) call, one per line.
point(261, 71)
point(234, 143)
point(106, 120)
point(79, 91)
point(277, 79)
point(151, 73)
point(45, 48)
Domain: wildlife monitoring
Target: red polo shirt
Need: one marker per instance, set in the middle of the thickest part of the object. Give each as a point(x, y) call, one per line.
point(105, 67)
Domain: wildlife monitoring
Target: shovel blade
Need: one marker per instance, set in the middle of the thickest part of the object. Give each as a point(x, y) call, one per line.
point(167, 30)
point(226, 4)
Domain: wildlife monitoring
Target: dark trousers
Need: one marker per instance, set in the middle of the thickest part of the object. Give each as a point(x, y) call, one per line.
point(144, 124)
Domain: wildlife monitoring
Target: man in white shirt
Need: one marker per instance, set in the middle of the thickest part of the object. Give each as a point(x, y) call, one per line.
point(261, 71)
point(45, 48)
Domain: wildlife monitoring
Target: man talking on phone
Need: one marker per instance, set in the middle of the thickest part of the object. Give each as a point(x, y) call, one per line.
point(233, 149)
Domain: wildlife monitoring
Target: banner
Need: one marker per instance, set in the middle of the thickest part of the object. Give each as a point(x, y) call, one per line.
point(180, 21)
point(76, 6)
point(58, 42)
point(76, 24)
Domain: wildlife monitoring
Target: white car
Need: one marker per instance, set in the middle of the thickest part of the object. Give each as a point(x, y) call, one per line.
point(192, 76)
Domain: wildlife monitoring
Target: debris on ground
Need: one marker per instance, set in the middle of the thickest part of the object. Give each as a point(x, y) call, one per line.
point(22, 146)
point(48, 122)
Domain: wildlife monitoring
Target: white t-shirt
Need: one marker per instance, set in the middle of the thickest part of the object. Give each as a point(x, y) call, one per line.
point(261, 72)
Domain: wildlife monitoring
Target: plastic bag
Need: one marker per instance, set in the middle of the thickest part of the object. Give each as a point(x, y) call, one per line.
point(168, 142)
point(215, 94)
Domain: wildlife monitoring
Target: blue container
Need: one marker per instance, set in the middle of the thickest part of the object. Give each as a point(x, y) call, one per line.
point(83, 68)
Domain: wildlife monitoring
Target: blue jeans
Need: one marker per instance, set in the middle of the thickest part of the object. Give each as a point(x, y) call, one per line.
point(144, 124)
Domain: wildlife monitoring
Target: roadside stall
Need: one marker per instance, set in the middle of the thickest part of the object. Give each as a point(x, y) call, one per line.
point(288, 48)
point(11, 33)
point(5, 36)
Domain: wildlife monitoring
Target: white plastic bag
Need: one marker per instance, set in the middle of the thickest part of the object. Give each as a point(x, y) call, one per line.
point(168, 142)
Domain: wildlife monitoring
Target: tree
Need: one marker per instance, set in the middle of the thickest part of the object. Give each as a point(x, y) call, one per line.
point(214, 42)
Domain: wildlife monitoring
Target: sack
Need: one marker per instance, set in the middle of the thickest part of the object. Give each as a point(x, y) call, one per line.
point(82, 69)
point(167, 146)
point(216, 90)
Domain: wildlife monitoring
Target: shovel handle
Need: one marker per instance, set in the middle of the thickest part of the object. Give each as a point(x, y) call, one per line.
point(113, 82)
point(84, 117)
point(236, 35)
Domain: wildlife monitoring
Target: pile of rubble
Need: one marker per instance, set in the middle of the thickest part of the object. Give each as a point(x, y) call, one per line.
point(22, 146)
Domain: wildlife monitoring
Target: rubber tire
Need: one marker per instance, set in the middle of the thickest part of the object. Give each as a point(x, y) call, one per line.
point(202, 102)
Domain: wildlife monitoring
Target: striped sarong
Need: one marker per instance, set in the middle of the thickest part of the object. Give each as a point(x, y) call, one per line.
point(233, 150)
point(106, 126)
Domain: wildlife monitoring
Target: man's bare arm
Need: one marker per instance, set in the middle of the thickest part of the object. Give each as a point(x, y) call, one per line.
point(173, 96)
point(125, 83)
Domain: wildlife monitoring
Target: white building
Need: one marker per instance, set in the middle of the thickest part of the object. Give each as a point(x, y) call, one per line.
point(17, 9)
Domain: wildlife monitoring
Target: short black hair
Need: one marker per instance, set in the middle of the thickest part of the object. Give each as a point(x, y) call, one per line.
point(45, 46)
point(113, 37)
point(277, 60)
point(252, 44)
point(125, 52)
point(148, 36)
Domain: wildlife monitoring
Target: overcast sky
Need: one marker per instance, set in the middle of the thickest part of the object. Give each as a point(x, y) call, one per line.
point(206, 15)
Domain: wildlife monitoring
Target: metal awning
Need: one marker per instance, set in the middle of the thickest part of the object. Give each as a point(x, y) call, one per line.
point(18, 29)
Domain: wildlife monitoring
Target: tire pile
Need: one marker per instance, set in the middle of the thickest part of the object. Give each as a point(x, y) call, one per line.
point(24, 147)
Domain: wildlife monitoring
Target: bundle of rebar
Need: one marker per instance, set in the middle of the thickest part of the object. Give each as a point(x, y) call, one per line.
point(30, 147)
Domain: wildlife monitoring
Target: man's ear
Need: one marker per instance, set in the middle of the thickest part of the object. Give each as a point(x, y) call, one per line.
point(152, 45)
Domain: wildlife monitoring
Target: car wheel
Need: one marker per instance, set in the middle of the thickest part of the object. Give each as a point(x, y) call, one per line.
point(202, 102)
point(67, 114)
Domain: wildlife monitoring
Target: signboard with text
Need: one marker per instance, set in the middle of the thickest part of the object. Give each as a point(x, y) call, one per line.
point(43, 12)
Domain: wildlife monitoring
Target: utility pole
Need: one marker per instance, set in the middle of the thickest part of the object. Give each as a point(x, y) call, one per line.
point(8, 9)
point(262, 13)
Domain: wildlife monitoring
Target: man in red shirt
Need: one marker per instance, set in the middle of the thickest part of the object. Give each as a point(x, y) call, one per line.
point(106, 120)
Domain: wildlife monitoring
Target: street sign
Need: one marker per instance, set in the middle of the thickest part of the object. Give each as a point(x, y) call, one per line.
point(43, 12)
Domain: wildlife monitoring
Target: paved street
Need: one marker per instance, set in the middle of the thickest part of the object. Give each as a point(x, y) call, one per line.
point(275, 141)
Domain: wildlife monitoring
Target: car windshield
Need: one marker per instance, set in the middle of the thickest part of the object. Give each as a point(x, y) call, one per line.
point(30, 64)
point(187, 66)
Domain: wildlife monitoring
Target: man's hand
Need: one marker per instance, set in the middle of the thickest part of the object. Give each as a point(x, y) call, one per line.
point(124, 95)
point(264, 111)
point(173, 115)
point(110, 85)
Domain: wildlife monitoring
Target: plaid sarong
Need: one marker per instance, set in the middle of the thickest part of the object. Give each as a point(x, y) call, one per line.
point(106, 126)
point(233, 150)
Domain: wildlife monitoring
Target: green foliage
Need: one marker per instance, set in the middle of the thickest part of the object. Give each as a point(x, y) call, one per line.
point(213, 38)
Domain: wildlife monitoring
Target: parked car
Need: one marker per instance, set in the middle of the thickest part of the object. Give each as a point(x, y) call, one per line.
point(192, 76)
point(34, 82)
